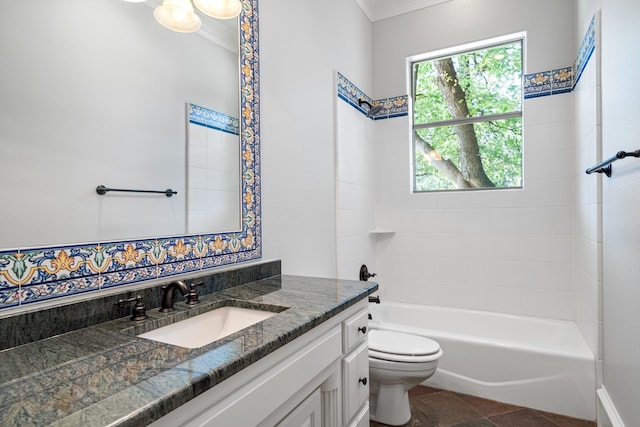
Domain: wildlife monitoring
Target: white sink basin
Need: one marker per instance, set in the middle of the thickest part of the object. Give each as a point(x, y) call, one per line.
point(208, 327)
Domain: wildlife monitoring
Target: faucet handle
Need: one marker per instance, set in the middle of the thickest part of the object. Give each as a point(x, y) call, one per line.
point(364, 273)
point(138, 312)
point(192, 296)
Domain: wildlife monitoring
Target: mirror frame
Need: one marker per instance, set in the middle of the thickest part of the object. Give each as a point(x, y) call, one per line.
point(29, 275)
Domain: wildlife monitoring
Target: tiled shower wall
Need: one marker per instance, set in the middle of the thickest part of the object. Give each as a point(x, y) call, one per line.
point(588, 208)
point(532, 236)
point(508, 251)
point(505, 251)
point(355, 181)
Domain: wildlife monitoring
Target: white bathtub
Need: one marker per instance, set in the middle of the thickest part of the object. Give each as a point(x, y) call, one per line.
point(533, 362)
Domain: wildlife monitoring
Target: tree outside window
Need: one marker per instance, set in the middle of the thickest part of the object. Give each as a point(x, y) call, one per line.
point(467, 120)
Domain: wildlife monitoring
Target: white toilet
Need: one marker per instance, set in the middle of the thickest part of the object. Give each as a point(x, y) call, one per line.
point(398, 362)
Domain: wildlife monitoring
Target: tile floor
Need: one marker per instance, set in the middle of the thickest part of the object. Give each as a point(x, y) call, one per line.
point(431, 407)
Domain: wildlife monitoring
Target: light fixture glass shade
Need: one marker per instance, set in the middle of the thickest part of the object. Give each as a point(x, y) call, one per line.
point(221, 9)
point(177, 15)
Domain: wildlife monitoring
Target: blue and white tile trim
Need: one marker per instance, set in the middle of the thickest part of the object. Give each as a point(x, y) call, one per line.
point(391, 107)
point(587, 48)
point(544, 83)
point(562, 80)
point(213, 119)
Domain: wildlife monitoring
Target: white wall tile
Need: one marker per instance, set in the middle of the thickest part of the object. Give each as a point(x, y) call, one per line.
point(561, 134)
point(586, 257)
point(562, 163)
point(563, 277)
point(562, 108)
point(536, 248)
point(537, 165)
point(562, 220)
point(563, 192)
point(562, 249)
point(564, 305)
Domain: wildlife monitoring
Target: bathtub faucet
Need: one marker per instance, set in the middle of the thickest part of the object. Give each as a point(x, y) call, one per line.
point(375, 299)
point(364, 273)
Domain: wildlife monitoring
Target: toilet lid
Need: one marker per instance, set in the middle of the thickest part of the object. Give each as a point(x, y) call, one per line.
point(400, 343)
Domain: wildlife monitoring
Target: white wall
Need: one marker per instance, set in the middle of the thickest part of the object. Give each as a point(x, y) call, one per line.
point(621, 209)
point(302, 44)
point(507, 251)
point(618, 293)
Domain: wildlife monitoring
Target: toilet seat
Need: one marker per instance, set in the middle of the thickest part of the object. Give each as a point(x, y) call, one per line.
point(402, 347)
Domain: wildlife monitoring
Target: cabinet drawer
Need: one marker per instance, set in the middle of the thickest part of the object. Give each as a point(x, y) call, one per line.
point(355, 381)
point(354, 330)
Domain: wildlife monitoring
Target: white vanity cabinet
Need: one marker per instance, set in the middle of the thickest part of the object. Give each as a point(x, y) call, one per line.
point(317, 380)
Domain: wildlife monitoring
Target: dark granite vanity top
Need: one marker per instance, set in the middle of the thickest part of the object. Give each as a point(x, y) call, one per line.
point(105, 375)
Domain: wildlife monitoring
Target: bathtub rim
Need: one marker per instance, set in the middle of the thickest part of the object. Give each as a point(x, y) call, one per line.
point(582, 351)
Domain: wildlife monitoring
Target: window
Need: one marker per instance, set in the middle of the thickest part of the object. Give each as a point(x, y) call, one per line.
point(467, 119)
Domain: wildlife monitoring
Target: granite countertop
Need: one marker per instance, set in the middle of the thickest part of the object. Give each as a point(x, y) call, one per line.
point(105, 375)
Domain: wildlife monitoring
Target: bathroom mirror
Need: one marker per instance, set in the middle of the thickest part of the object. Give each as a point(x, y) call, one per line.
point(73, 118)
point(96, 93)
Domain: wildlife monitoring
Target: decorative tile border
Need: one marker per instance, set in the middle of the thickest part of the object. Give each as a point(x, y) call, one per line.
point(391, 107)
point(351, 94)
point(31, 275)
point(212, 119)
point(564, 79)
point(548, 83)
point(587, 48)
point(397, 106)
point(544, 83)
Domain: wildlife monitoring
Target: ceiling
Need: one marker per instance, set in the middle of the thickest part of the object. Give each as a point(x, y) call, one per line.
point(382, 9)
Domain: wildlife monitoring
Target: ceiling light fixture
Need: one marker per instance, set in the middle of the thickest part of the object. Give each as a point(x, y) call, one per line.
point(220, 9)
point(177, 15)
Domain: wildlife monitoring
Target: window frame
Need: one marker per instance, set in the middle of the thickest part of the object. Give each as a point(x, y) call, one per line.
point(453, 51)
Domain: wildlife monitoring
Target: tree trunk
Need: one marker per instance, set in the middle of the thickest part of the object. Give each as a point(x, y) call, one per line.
point(470, 161)
point(445, 166)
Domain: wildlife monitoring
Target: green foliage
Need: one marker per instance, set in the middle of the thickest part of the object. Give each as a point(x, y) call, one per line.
point(491, 80)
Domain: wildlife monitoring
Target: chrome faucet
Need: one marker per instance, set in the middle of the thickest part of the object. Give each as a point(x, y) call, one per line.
point(167, 294)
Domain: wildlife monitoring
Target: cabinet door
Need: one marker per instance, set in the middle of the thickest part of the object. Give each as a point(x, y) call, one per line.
point(306, 414)
point(356, 381)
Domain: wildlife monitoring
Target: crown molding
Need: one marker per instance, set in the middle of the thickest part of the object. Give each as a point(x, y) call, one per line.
point(377, 10)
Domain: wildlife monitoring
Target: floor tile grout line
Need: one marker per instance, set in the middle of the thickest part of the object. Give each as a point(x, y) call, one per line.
point(474, 405)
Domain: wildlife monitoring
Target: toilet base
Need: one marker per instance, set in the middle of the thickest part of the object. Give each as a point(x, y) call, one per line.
point(391, 405)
